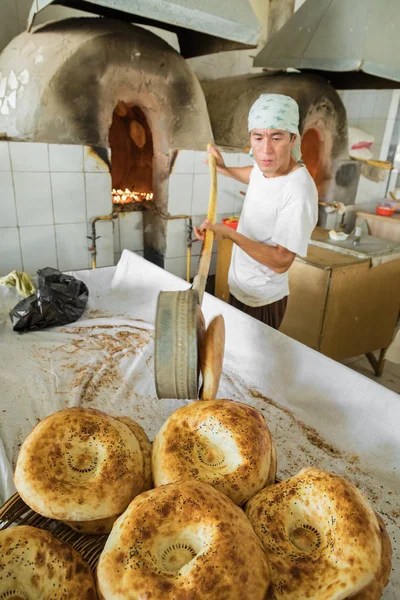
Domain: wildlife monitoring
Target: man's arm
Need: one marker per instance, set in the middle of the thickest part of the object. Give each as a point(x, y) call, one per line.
point(276, 258)
point(241, 174)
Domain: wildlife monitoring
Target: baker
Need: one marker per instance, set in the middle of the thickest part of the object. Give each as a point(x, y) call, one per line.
point(279, 213)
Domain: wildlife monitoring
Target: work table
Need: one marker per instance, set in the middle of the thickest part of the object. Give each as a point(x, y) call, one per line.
point(319, 412)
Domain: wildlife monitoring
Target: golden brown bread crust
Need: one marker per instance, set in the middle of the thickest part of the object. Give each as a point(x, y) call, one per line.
point(94, 526)
point(79, 465)
point(182, 541)
point(35, 565)
point(145, 447)
point(374, 590)
point(211, 354)
point(273, 466)
point(321, 537)
point(102, 526)
point(224, 443)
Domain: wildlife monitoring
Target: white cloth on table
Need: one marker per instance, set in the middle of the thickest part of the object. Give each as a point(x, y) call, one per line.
point(321, 412)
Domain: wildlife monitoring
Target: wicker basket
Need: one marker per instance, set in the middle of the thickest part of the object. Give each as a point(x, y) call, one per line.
point(16, 512)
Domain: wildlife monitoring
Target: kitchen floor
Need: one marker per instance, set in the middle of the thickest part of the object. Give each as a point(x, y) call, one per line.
point(390, 377)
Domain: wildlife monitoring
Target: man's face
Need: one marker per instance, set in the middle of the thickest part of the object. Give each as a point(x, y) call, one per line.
point(272, 149)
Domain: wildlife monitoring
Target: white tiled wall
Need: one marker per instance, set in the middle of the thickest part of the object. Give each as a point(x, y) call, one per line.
point(189, 188)
point(128, 233)
point(373, 111)
point(48, 194)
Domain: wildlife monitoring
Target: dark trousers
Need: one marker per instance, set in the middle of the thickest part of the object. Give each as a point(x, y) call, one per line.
point(270, 314)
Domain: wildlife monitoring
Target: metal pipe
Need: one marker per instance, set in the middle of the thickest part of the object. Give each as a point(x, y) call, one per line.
point(189, 240)
point(93, 247)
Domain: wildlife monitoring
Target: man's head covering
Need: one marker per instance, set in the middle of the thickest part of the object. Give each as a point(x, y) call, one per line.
point(276, 111)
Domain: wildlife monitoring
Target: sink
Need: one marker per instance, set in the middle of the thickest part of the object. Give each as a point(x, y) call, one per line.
point(369, 246)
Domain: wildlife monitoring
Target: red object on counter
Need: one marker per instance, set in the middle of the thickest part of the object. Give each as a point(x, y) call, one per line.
point(232, 222)
point(385, 211)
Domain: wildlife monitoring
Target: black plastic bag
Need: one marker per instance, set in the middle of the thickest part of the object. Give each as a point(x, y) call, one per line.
point(59, 299)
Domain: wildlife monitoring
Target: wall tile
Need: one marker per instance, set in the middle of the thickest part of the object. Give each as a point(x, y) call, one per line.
point(382, 104)
point(176, 266)
point(367, 106)
point(5, 162)
point(365, 125)
point(201, 192)
point(29, 156)
point(245, 160)
point(66, 158)
point(377, 128)
point(98, 195)
point(231, 159)
point(227, 192)
point(353, 123)
point(8, 215)
point(199, 165)
point(176, 238)
point(354, 104)
point(69, 200)
point(38, 246)
point(92, 162)
point(184, 162)
point(10, 251)
point(131, 231)
point(33, 198)
point(346, 99)
point(180, 194)
point(72, 246)
point(105, 245)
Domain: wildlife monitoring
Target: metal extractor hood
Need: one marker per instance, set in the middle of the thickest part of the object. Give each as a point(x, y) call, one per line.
point(202, 27)
point(339, 36)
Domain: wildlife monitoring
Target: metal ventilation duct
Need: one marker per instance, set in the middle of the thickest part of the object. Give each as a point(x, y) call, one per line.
point(339, 36)
point(202, 27)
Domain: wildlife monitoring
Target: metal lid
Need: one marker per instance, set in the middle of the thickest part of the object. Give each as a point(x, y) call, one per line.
point(202, 27)
point(340, 36)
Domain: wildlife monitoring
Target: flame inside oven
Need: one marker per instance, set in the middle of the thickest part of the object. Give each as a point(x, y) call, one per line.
point(125, 197)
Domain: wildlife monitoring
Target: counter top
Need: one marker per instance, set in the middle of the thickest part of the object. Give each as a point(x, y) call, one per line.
point(370, 248)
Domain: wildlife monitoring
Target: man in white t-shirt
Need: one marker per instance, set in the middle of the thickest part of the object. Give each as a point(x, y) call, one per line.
point(279, 213)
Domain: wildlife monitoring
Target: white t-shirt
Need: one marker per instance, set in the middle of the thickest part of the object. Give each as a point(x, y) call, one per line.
point(277, 211)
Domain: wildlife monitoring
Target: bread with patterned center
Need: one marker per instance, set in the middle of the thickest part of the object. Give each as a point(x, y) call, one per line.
point(83, 467)
point(183, 541)
point(221, 442)
point(322, 539)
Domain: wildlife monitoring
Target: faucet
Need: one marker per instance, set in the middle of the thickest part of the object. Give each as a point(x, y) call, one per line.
point(358, 232)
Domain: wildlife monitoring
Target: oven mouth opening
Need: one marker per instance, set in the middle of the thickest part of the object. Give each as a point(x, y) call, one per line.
point(131, 144)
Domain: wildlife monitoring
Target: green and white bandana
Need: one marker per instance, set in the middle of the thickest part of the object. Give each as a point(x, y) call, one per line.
point(276, 111)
